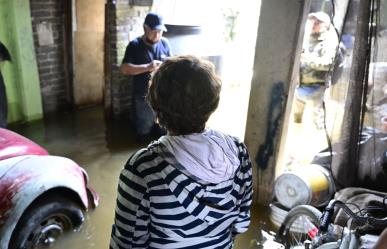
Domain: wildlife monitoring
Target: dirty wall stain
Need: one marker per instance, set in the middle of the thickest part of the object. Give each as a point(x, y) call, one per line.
point(274, 114)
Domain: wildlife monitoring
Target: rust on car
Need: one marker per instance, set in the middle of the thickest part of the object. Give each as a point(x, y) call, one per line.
point(8, 188)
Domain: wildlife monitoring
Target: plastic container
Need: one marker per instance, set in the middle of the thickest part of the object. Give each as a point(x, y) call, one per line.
point(193, 40)
point(311, 184)
point(384, 123)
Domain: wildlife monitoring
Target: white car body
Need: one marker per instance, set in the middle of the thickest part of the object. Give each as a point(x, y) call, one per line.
point(27, 174)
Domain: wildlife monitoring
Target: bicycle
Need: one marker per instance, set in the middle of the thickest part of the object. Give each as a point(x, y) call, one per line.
point(307, 227)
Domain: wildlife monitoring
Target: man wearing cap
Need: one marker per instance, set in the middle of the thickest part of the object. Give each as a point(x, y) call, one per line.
point(142, 56)
point(318, 53)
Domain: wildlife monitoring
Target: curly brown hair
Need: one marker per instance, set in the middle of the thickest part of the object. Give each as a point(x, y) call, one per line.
point(184, 92)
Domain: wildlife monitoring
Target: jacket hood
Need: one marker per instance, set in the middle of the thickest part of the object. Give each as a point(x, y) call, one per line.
point(209, 162)
point(210, 156)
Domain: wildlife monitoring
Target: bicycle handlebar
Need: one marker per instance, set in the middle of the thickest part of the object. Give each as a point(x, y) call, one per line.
point(329, 210)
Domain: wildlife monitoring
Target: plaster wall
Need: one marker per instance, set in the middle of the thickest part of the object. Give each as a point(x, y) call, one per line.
point(8, 69)
point(21, 76)
point(89, 52)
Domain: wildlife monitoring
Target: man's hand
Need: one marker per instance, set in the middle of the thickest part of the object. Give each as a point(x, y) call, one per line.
point(153, 65)
point(133, 69)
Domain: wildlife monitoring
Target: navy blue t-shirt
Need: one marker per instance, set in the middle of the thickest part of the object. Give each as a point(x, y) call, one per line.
point(137, 52)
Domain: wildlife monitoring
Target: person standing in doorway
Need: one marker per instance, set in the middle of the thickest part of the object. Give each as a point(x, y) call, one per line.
point(193, 187)
point(318, 54)
point(4, 56)
point(143, 55)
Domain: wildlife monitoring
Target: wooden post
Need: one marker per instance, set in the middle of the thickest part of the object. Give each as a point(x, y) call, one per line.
point(279, 39)
point(345, 164)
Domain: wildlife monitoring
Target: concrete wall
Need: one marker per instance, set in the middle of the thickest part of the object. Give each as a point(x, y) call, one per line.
point(21, 76)
point(89, 52)
point(48, 16)
point(276, 60)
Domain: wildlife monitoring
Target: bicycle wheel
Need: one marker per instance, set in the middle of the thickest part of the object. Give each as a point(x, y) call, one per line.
point(296, 225)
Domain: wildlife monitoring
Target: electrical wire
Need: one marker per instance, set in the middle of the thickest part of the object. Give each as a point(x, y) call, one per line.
point(372, 42)
point(371, 38)
point(374, 59)
point(355, 205)
point(329, 76)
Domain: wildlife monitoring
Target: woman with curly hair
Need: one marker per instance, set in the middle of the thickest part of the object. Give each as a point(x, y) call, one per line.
point(193, 187)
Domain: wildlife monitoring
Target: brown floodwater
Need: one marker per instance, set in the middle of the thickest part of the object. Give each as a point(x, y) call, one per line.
point(102, 149)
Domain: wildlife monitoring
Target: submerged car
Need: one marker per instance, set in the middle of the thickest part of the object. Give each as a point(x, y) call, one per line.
point(41, 196)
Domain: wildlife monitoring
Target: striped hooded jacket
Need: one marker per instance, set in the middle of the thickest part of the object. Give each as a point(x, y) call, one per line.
point(160, 204)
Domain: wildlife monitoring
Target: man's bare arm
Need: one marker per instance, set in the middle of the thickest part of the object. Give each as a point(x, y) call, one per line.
point(133, 69)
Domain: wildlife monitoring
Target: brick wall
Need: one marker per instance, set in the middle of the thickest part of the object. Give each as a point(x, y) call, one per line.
point(124, 22)
point(124, 19)
point(50, 58)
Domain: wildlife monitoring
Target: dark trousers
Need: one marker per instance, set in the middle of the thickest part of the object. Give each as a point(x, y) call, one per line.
point(312, 94)
point(3, 103)
point(143, 115)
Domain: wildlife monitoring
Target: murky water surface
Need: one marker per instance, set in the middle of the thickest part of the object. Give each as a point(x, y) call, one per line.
point(102, 149)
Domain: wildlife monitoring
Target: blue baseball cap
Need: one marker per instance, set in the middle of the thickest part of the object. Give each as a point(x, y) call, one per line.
point(155, 21)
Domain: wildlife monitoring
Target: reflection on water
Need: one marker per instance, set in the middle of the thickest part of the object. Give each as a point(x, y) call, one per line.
point(102, 149)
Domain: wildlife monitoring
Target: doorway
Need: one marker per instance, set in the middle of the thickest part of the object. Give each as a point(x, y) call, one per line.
point(223, 32)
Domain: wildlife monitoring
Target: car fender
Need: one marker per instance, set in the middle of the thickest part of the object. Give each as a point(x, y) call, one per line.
point(30, 177)
point(13, 145)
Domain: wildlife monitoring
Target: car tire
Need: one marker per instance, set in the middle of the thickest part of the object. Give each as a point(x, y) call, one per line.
point(44, 222)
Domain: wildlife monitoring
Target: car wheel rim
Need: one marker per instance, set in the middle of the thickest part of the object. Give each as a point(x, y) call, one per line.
point(48, 231)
